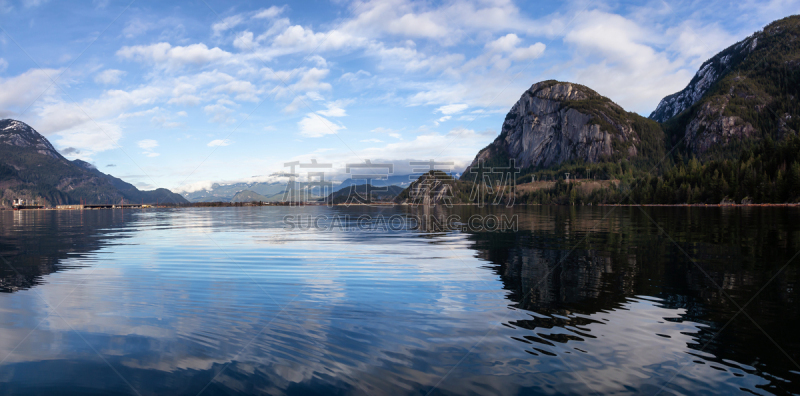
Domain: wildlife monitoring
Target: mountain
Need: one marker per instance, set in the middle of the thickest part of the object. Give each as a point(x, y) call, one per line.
point(249, 196)
point(274, 191)
point(226, 192)
point(358, 193)
point(731, 136)
point(270, 192)
point(31, 168)
point(393, 180)
point(710, 72)
point(130, 192)
point(745, 93)
point(558, 122)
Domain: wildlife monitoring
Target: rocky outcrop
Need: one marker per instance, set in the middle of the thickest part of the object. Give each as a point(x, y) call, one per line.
point(554, 122)
point(711, 127)
point(710, 72)
point(431, 189)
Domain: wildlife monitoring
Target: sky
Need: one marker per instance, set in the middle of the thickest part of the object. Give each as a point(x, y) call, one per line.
point(184, 94)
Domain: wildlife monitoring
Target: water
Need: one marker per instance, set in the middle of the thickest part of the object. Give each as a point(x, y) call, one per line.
point(227, 301)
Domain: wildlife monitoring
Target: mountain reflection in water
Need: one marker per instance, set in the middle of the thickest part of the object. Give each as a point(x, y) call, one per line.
point(226, 301)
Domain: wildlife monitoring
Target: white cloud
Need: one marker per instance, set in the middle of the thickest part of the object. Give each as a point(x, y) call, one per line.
point(295, 104)
point(219, 113)
point(318, 60)
point(186, 100)
point(242, 90)
point(448, 23)
point(269, 13)
point(147, 144)
point(136, 27)
point(165, 122)
point(3, 65)
point(350, 77)
point(441, 120)
point(297, 39)
point(194, 186)
point(495, 90)
point(219, 143)
point(310, 81)
point(302, 101)
point(315, 96)
point(139, 113)
point(244, 41)
point(20, 91)
point(411, 60)
point(226, 24)
point(58, 115)
point(315, 125)
point(165, 55)
point(458, 145)
point(335, 109)
point(506, 43)
point(616, 57)
point(695, 43)
point(532, 52)
point(412, 25)
point(388, 131)
point(90, 138)
point(452, 108)
point(767, 10)
point(109, 76)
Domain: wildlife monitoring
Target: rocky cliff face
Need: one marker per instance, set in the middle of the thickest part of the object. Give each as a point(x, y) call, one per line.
point(554, 122)
point(711, 128)
point(748, 91)
point(710, 72)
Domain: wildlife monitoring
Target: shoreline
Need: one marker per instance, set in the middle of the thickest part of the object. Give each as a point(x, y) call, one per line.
point(777, 205)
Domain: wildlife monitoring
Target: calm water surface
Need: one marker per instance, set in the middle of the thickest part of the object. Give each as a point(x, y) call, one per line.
point(227, 301)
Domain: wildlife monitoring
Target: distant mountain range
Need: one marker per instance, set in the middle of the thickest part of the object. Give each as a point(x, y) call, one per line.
point(227, 192)
point(358, 194)
point(275, 191)
point(31, 168)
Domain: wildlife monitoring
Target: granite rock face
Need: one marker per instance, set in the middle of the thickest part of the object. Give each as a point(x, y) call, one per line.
point(554, 122)
point(711, 127)
point(710, 72)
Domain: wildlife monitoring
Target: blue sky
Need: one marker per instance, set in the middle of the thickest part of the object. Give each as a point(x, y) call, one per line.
point(187, 93)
